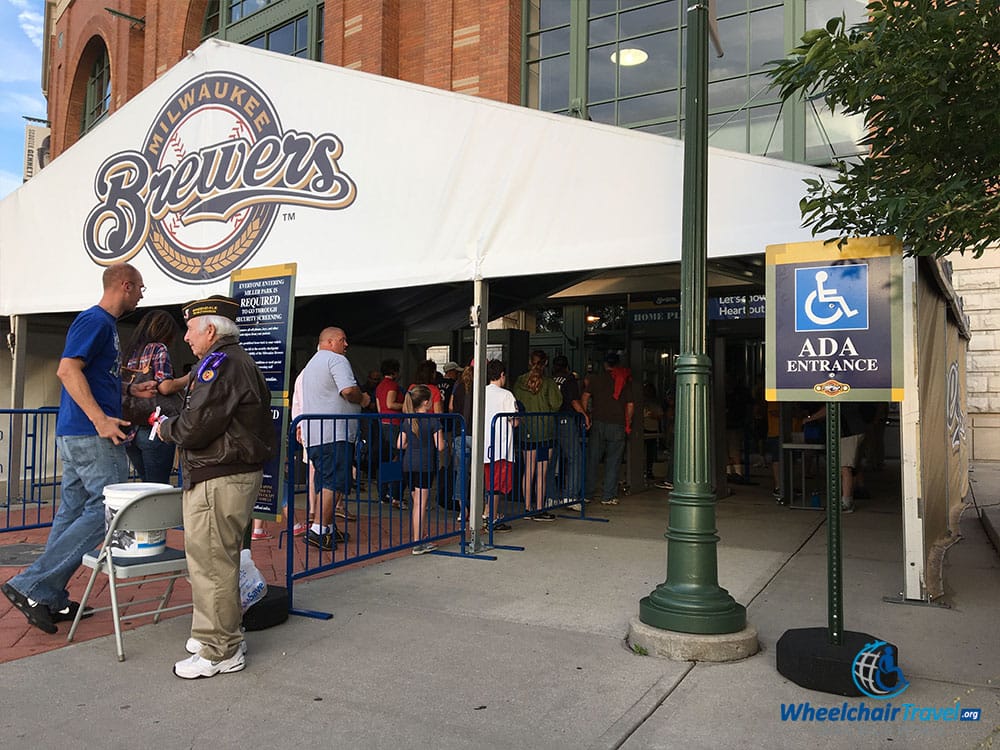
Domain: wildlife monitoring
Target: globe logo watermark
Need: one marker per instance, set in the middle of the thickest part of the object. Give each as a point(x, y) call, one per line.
point(875, 672)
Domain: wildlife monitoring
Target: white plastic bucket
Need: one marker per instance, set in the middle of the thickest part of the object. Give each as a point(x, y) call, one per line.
point(132, 542)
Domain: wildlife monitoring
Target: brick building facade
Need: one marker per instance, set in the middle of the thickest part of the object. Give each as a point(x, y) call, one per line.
point(467, 46)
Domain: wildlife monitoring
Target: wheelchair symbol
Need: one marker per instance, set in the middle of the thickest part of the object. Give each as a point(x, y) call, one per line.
point(828, 298)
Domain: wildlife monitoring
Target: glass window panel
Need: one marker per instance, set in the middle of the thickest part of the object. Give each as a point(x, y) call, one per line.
point(728, 7)
point(766, 131)
point(842, 131)
point(600, 7)
point(646, 108)
point(260, 42)
point(818, 12)
point(760, 90)
point(601, 74)
point(732, 136)
point(242, 8)
point(319, 33)
point(534, 47)
point(602, 30)
point(531, 85)
point(554, 42)
point(626, 4)
point(302, 33)
point(733, 33)
point(754, 4)
point(661, 128)
point(645, 20)
point(282, 39)
point(553, 84)
point(211, 25)
point(602, 113)
point(729, 94)
point(767, 37)
point(659, 72)
point(553, 13)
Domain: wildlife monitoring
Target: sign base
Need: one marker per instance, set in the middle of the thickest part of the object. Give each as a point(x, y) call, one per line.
point(806, 657)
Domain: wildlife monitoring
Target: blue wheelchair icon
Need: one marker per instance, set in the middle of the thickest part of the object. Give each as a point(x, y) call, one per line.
point(831, 298)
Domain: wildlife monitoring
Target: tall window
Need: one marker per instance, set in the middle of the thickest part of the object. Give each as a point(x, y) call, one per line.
point(98, 97)
point(290, 38)
point(291, 27)
point(622, 62)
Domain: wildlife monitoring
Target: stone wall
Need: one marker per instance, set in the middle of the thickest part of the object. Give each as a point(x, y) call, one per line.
point(978, 283)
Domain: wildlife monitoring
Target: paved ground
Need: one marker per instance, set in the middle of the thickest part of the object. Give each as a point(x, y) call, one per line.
point(530, 651)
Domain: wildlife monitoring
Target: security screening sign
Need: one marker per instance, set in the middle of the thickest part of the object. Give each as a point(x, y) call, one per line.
point(834, 321)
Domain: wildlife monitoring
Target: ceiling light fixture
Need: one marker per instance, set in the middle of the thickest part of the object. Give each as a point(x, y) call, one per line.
point(628, 57)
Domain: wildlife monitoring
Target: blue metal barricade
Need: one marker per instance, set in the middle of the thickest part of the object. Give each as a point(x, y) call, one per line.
point(29, 468)
point(535, 463)
point(376, 484)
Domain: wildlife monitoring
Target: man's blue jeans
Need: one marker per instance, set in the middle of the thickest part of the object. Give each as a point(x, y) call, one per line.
point(567, 456)
point(608, 441)
point(89, 463)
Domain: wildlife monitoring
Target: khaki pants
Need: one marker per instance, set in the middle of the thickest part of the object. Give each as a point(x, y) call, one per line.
point(216, 514)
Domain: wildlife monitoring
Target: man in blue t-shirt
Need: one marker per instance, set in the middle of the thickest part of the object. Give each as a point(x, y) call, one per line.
point(89, 439)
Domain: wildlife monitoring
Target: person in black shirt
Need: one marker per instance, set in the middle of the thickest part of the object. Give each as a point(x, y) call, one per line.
point(565, 482)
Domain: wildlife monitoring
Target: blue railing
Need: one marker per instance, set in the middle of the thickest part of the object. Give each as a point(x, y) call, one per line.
point(535, 463)
point(390, 480)
point(29, 468)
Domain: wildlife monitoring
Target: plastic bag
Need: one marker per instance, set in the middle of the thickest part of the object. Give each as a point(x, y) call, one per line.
point(253, 587)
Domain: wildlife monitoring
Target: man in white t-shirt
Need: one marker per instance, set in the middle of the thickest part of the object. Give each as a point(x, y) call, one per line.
point(330, 388)
point(498, 453)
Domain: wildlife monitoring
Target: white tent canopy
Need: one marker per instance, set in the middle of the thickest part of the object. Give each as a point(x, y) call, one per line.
point(231, 159)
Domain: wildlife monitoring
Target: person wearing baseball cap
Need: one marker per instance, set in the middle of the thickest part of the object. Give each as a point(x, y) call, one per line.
point(225, 435)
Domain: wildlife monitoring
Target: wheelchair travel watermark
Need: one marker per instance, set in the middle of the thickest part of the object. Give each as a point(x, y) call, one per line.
point(877, 675)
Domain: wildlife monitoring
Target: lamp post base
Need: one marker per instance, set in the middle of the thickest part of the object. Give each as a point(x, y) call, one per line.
point(669, 644)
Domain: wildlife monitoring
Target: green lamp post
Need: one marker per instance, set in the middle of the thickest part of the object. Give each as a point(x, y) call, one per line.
point(691, 600)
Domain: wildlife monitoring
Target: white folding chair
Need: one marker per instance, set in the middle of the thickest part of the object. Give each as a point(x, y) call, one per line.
point(149, 511)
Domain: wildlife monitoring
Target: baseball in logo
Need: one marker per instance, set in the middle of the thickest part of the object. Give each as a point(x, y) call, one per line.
point(202, 194)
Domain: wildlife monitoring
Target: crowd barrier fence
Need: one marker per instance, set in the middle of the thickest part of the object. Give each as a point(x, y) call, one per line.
point(29, 468)
point(536, 463)
point(378, 472)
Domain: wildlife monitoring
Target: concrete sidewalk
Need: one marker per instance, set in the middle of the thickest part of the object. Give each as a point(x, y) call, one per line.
point(529, 650)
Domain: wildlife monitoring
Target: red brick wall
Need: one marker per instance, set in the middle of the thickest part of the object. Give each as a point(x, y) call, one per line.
point(471, 46)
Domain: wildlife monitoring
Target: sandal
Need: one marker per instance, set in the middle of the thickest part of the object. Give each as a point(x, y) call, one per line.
point(259, 534)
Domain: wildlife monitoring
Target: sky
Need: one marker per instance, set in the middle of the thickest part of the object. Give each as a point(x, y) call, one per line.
point(21, 26)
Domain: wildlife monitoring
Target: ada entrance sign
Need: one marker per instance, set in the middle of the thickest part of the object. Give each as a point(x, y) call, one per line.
point(834, 321)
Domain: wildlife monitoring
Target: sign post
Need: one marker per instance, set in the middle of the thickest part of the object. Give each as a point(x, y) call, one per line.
point(834, 337)
point(266, 296)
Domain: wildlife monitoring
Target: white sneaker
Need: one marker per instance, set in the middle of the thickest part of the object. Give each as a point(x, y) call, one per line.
point(610, 501)
point(194, 667)
point(194, 646)
point(574, 506)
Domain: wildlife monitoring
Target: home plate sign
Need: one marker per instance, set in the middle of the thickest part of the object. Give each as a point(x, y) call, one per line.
point(834, 321)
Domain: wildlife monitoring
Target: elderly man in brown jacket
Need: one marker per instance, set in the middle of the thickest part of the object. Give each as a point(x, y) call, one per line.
point(225, 435)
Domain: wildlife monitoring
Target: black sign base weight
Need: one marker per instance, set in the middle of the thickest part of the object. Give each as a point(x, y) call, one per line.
point(806, 657)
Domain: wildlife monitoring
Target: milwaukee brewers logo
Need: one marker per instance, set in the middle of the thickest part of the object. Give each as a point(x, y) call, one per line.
point(204, 191)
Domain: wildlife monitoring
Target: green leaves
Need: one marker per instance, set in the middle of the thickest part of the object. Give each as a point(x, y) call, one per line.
point(926, 76)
